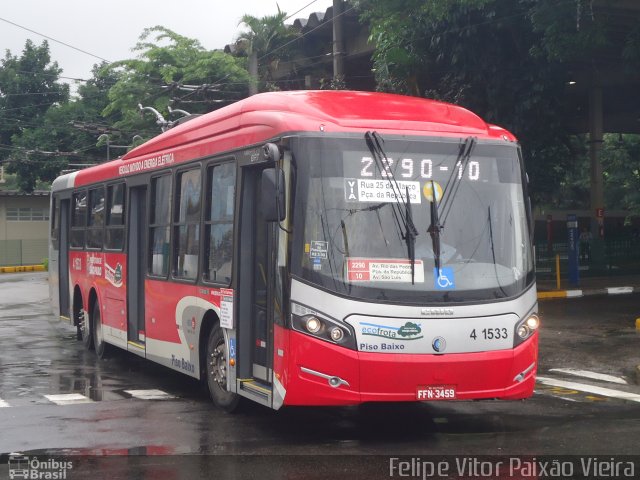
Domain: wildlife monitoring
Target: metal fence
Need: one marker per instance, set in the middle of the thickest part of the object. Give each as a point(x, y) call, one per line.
point(610, 257)
point(23, 252)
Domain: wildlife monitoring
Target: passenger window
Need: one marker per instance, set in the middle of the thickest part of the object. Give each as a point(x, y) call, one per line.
point(187, 224)
point(96, 218)
point(55, 222)
point(159, 225)
point(78, 219)
point(221, 181)
point(115, 217)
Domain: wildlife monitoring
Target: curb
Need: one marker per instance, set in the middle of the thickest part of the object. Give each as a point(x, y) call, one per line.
point(23, 268)
point(586, 293)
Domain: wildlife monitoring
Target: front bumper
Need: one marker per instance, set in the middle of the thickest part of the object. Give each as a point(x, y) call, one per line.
point(375, 377)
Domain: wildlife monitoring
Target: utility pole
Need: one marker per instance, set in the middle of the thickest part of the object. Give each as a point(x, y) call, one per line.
point(253, 71)
point(338, 41)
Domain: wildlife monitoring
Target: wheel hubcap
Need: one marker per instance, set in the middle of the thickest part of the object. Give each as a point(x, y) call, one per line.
point(218, 366)
point(83, 324)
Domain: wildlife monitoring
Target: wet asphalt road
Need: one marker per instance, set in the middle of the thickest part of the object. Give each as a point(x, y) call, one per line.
point(40, 356)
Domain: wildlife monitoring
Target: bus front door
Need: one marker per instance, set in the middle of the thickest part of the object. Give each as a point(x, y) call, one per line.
point(257, 253)
point(262, 297)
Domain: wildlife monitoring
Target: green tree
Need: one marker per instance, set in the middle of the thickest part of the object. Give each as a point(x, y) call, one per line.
point(66, 133)
point(620, 157)
point(504, 59)
point(29, 87)
point(172, 71)
point(41, 153)
point(478, 53)
point(621, 165)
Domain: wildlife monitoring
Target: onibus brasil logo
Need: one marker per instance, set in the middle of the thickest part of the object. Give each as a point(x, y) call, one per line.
point(22, 466)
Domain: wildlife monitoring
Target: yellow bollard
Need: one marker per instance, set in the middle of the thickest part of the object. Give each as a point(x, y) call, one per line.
point(557, 272)
point(638, 323)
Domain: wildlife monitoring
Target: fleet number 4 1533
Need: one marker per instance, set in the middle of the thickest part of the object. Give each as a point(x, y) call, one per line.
point(496, 333)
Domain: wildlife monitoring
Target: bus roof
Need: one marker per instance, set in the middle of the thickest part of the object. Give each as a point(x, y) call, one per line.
point(268, 115)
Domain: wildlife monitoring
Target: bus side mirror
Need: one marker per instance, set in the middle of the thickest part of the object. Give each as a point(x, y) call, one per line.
point(273, 199)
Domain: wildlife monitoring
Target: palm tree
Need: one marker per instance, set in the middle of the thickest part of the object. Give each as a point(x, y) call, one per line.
point(266, 38)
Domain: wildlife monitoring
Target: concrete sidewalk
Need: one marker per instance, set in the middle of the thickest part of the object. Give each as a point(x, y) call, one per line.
point(609, 285)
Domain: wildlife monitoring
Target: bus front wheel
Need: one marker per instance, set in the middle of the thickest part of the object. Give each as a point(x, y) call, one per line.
point(217, 371)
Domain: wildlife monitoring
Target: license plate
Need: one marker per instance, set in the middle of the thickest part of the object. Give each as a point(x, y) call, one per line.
point(439, 392)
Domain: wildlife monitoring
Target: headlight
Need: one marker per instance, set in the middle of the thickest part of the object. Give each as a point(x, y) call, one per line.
point(533, 322)
point(322, 327)
point(523, 331)
point(312, 324)
point(336, 334)
point(526, 327)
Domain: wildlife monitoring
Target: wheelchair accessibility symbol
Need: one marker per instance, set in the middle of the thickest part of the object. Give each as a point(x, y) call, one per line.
point(444, 280)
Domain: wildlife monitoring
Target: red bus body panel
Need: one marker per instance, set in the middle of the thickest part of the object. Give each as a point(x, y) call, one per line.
point(87, 270)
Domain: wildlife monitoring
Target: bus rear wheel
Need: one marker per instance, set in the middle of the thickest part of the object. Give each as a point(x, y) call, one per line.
point(84, 329)
point(216, 363)
point(102, 348)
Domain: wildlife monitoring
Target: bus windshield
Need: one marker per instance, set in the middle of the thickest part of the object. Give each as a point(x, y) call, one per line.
point(355, 210)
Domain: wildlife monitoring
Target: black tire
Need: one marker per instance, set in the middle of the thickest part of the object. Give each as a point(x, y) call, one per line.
point(102, 348)
point(216, 370)
point(85, 332)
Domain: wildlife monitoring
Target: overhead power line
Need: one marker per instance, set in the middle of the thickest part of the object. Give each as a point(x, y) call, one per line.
point(297, 12)
point(55, 40)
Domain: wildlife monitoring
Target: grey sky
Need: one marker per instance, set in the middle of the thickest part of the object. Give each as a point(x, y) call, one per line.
point(110, 29)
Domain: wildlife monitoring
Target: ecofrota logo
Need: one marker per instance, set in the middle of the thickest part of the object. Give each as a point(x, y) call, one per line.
point(21, 466)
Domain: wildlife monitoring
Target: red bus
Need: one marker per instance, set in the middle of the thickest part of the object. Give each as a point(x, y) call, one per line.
point(309, 248)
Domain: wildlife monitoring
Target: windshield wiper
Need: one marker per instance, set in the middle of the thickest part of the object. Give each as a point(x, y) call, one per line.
point(404, 220)
point(450, 190)
point(411, 232)
point(493, 251)
point(345, 240)
point(434, 229)
point(455, 178)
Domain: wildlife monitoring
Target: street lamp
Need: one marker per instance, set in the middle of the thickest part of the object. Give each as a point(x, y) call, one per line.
point(105, 136)
point(136, 140)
